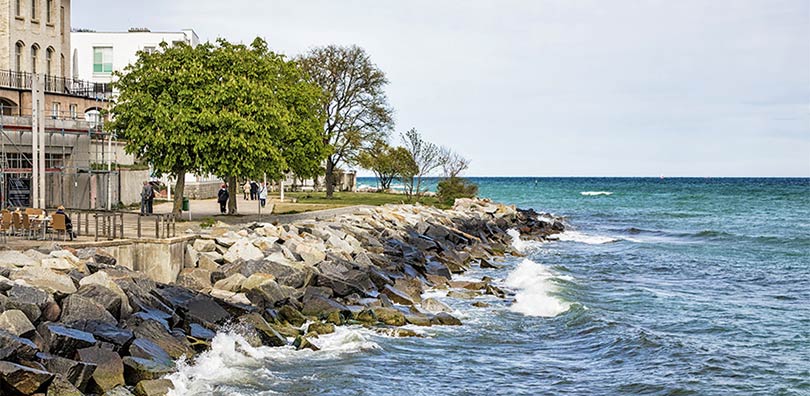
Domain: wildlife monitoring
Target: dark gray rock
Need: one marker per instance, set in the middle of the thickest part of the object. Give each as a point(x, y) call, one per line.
point(139, 369)
point(257, 331)
point(21, 379)
point(103, 296)
point(76, 308)
point(155, 332)
point(78, 373)
point(13, 347)
point(146, 349)
point(109, 372)
point(204, 311)
point(62, 340)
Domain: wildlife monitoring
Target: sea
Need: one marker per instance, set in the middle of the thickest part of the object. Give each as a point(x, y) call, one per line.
point(659, 286)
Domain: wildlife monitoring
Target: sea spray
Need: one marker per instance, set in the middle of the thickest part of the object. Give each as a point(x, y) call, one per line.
point(534, 290)
point(233, 363)
point(533, 284)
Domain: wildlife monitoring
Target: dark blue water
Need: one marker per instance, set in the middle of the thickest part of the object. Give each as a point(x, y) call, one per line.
point(662, 287)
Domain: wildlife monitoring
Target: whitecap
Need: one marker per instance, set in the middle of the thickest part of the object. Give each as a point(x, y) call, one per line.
point(534, 290)
point(231, 361)
point(594, 193)
point(521, 245)
point(576, 236)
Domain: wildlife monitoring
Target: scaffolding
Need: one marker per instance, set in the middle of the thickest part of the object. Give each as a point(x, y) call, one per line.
point(76, 152)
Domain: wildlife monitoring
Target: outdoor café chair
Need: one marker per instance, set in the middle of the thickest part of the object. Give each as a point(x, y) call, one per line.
point(5, 224)
point(26, 225)
point(59, 225)
point(16, 222)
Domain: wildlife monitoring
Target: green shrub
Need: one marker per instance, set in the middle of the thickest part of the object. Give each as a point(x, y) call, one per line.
point(207, 222)
point(455, 187)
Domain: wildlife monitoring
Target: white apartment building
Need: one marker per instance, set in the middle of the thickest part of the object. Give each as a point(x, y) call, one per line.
point(96, 55)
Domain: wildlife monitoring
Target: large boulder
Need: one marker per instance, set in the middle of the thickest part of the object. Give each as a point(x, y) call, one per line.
point(103, 296)
point(102, 278)
point(204, 245)
point(257, 331)
point(154, 331)
point(109, 372)
point(156, 387)
point(45, 279)
point(210, 261)
point(106, 332)
point(345, 278)
point(77, 373)
point(389, 316)
point(77, 308)
point(191, 257)
point(267, 293)
point(232, 283)
point(15, 259)
point(63, 341)
point(14, 347)
point(397, 295)
point(310, 254)
point(60, 386)
point(243, 250)
point(139, 369)
point(206, 312)
point(292, 274)
point(433, 305)
point(15, 322)
point(21, 379)
point(194, 278)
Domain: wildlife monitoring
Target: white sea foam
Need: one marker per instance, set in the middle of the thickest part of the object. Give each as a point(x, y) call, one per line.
point(521, 245)
point(576, 236)
point(534, 290)
point(232, 361)
point(593, 193)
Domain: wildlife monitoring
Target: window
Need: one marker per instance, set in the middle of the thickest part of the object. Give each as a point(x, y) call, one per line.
point(149, 50)
point(102, 59)
point(34, 9)
point(18, 8)
point(18, 51)
point(49, 11)
point(73, 112)
point(55, 110)
point(34, 57)
point(49, 61)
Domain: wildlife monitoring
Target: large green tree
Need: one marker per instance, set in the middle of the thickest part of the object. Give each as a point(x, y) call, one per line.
point(355, 105)
point(226, 109)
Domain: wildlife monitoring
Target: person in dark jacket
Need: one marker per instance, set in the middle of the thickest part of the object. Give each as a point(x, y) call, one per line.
point(68, 223)
point(254, 190)
point(222, 198)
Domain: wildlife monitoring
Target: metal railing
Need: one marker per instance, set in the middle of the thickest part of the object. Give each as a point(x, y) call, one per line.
point(55, 84)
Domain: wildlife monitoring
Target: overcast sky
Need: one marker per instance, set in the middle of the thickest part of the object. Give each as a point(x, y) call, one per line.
point(554, 88)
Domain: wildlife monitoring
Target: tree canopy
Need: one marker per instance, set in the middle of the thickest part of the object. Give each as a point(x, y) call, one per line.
point(224, 109)
point(354, 103)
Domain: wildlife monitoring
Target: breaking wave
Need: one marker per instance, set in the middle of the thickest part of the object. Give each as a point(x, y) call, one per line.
point(233, 364)
point(534, 290)
point(594, 193)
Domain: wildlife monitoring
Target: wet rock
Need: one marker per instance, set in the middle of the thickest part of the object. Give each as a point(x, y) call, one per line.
point(21, 379)
point(139, 369)
point(102, 278)
point(118, 391)
point(77, 308)
point(200, 333)
point(291, 315)
point(302, 342)
point(321, 328)
point(15, 322)
point(435, 306)
point(109, 372)
point(389, 316)
point(480, 304)
point(437, 268)
point(445, 319)
point(345, 278)
point(157, 387)
point(205, 311)
point(14, 347)
point(418, 319)
point(397, 295)
point(63, 341)
point(484, 263)
point(45, 279)
point(154, 331)
point(257, 331)
point(106, 332)
point(321, 307)
point(413, 288)
point(268, 293)
point(146, 349)
point(462, 294)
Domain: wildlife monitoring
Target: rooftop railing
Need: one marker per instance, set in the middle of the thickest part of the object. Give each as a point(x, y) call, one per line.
point(54, 84)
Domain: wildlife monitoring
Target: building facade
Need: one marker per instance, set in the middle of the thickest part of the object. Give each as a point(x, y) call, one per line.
point(35, 36)
point(96, 55)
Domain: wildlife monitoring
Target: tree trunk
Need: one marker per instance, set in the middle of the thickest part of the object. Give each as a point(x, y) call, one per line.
point(179, 188)
point(232, 195)
point(330, 178)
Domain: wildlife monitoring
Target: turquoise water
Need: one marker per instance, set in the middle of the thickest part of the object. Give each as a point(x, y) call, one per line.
point(660, 287)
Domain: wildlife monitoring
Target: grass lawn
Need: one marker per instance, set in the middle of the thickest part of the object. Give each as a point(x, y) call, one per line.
point(309, 201)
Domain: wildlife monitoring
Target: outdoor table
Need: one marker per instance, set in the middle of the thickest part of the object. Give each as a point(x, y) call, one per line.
point(43, 223)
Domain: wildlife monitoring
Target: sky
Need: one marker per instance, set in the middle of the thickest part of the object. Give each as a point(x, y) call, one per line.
point(553, 87)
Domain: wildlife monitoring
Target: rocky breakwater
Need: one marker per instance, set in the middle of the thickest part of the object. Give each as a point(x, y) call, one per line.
point(74, 323)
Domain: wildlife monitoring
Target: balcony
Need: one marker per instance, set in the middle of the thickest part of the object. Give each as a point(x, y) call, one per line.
point(56, 85)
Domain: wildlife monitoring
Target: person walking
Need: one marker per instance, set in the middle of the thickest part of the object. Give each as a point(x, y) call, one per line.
point(147, 197)
point(263, 194)
point(254, 190)
point(246, 189)
point(222, 198)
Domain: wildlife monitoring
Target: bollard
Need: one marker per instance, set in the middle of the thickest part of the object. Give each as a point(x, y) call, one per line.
point(95, 216)
point(139, 226)
point(157, 227)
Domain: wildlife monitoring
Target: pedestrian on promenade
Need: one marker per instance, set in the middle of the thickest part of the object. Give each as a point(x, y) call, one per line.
point(254, 190)
point(246, 189)
point(222, 198)
point(147, 198)
point(263, 194)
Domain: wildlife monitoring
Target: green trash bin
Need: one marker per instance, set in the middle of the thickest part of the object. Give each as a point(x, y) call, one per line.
point(185, 204)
